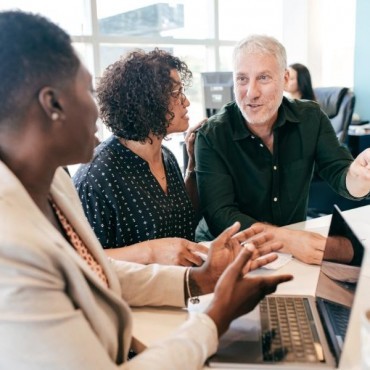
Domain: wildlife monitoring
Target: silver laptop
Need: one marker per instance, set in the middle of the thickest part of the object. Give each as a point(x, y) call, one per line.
point(299, 331)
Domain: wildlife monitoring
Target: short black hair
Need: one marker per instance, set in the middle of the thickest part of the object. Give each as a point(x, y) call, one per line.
point(34, 52)
point(134, 93)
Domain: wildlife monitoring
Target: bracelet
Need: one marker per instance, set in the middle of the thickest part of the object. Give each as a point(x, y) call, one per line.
point(190, 173)
point(193, 300)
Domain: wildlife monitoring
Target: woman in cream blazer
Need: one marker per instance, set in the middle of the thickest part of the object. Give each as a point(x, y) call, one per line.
point(55, 313)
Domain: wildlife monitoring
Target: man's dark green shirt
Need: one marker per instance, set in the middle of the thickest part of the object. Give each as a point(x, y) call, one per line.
point(239, 179)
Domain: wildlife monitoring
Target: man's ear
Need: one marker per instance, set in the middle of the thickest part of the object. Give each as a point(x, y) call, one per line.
point(286, 78)
point(50, 102)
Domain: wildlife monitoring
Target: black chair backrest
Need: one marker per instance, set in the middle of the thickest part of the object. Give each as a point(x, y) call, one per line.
point(338, 103)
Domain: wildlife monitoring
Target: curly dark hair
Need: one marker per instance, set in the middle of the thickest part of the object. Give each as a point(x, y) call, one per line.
point(34, 53)
point(134, 93)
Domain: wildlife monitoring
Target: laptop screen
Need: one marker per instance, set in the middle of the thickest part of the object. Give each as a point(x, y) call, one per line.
point(337, 281)
point(339, 274)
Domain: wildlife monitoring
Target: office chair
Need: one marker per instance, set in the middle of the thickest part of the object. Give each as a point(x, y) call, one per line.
point(338, 103)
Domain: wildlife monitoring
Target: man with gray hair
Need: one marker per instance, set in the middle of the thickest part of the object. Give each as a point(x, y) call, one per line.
point(255, 157)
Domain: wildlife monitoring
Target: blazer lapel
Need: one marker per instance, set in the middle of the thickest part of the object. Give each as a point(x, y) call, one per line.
point(75, 215)
point(12, 190)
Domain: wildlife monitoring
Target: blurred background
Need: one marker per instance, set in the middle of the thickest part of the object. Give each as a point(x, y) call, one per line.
point(318, 33)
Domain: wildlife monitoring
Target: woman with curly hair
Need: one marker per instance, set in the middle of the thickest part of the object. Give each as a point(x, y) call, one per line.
point(133, 192)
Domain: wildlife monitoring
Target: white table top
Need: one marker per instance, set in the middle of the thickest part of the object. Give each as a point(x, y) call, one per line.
point(154, 324)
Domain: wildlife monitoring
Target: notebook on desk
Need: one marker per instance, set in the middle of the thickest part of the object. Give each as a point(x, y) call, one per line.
point(299, 332)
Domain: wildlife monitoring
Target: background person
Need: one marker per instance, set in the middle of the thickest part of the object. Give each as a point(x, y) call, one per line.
point(63, 305)
point(255, 157)
point(133, 192)
point(299, 85)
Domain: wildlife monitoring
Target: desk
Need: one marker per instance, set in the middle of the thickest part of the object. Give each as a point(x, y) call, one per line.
point(154, 324)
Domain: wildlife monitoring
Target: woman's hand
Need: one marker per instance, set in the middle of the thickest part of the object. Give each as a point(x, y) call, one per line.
point(165, 251)
point(265, 241)
point(189, 142)
point(224, 250)
point(175, 251)
point(236, 295)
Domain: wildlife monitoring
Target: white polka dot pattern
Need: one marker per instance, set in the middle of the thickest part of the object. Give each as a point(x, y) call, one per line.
point(124, 202)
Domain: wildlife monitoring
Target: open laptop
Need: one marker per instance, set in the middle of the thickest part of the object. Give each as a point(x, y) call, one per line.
point(299, 332)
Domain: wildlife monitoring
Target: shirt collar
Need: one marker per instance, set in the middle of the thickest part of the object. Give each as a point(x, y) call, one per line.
point(285, 114)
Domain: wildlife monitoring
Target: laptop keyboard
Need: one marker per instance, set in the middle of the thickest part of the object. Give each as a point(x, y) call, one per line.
point(339, 316)
point(286, 327)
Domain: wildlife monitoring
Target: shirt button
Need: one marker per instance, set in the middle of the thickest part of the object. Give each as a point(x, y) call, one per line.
point(275, 199)
point(275, 168)
point(261, 145)
point(252, 137)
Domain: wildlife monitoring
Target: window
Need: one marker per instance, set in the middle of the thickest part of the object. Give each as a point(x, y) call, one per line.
point(73, 16)
point(250, 17)
point(145, 18)
point(203, 33)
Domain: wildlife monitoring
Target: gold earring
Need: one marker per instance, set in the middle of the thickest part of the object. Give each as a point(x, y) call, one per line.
point(54, 116)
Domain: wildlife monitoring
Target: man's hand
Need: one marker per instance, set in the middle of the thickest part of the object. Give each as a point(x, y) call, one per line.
point(306, 246)
point(358, 175)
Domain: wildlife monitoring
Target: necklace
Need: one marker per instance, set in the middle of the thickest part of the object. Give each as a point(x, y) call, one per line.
point(159, 175)
point(162, 177)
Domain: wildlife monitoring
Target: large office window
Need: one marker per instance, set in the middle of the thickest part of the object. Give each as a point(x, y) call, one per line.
point(72, 15)
point(236, 21)
point(318, 33)
point(203, 32)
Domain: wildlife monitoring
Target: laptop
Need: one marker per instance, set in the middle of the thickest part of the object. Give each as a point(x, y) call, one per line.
point(297, 331)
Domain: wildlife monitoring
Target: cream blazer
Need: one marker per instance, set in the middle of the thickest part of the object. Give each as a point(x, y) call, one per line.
point(54, 311)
